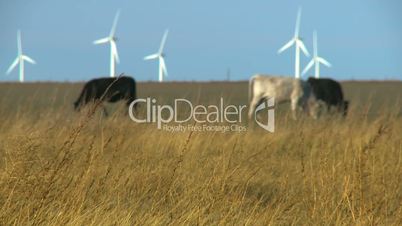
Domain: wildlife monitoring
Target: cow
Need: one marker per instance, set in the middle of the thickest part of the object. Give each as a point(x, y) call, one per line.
point(107, 89)
point(330, 93)
point(283, 89)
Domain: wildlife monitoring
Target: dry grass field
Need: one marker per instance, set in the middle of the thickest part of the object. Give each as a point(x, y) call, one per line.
point(59, 167)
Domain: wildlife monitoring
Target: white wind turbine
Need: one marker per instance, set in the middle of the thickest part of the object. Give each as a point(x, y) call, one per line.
point(316, 61)
point(20, 59)
point(297, 41)
point(161, 56)
point(114, 56)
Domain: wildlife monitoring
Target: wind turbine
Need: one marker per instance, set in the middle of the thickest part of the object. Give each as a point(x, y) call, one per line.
point(316, 59)
point(297, 41)
point(161, 56)
point(20, 59)
point(114, 56)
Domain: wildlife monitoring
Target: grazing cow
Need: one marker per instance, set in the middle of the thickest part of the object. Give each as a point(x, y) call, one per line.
point(329, 92)
point(283, 89)
point(110, 89)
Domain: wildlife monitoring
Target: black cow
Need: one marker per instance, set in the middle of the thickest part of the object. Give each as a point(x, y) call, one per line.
point(112, 90)
point(329, 92)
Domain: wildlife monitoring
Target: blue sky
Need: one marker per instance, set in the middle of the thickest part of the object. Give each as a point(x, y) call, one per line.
point(361, 38)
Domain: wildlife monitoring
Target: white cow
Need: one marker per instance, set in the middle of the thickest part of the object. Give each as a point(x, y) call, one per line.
point(283, 89)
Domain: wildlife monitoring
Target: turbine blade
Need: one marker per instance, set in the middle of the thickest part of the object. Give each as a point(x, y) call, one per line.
point(299, 11)
point(286, 46)
point(163, 41)
point(303, 48)
point(114, 51)
point(323, 61)
point(163, 65)
point(27, 58)
point(309, 65)
point(13, 65)
point(151, 57)
point(101, 41)
point(116, 18)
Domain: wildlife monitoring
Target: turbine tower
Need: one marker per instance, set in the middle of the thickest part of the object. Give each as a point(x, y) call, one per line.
point(20, 59)
point(161, 56)
point(297, 41)
point(316, 61)
point(114, 56)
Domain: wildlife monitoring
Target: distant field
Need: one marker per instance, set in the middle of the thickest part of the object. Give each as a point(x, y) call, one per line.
point(51, 96)
point(60, 167)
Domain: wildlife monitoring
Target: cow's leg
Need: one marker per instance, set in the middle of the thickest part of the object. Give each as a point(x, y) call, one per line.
point(262, 100)
point(314, 108)
point(105, 111)
point(295, 104)
point(88, 98)
point(253, 105)
point(329, 107)
point(297, 99)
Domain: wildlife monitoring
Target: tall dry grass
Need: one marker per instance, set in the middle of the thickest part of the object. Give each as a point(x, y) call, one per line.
point(58, 167)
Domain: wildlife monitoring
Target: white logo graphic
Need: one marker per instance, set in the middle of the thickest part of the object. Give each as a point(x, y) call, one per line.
point(217, 118)
point(270, 126)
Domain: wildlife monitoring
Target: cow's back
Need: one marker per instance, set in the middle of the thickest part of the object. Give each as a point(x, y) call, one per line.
point(99, 86)
point(327, 90)
point(282, 88)
point(273, 86)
